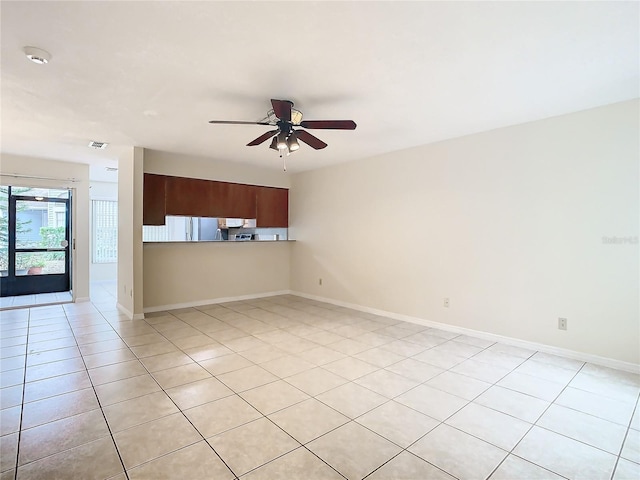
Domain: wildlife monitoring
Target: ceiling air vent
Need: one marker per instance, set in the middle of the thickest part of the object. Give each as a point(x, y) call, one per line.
point(98, 145)
point(111, 169)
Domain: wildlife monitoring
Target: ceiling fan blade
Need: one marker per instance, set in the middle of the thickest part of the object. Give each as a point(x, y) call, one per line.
point(235, 122)
point(282, 109)
point(262, 138)
point(329, 124)
point(310, 140)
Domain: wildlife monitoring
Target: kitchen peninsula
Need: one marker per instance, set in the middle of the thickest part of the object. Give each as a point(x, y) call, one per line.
point(189, 226)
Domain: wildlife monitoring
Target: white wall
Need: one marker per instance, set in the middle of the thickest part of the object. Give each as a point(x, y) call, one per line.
point(177, 274)
point(508, 224)
point(186, 274)
point(58, 175)
point(180, 165)
point(138, 275)
point(130, 275)
point(104, 190)
point(102, 271)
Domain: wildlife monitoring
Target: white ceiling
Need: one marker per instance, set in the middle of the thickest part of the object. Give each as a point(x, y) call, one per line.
point(152, 74)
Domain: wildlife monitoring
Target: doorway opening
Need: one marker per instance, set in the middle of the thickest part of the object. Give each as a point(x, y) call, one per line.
point(35, 250)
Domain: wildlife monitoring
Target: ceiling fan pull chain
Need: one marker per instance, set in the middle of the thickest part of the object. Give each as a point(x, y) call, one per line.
point(284, 162)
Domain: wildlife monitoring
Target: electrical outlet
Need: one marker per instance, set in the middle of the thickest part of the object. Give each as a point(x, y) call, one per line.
point(562, 323)
point(446, 302)
point(320, 281)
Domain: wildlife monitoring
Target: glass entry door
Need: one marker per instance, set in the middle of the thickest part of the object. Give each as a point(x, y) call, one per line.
point(34, 240)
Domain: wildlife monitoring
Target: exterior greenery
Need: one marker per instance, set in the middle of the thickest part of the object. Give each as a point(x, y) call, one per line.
point(49, 236)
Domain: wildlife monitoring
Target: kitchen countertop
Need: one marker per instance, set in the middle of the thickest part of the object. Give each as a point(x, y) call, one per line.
point(218, 241)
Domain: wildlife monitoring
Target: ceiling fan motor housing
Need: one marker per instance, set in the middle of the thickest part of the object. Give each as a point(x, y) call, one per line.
point(285, 127)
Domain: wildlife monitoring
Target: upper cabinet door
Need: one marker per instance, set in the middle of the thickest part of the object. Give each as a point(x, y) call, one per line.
point(242, 200)
point(189, 197)
point(234, 200)
point(273, 207)
point(153, 202)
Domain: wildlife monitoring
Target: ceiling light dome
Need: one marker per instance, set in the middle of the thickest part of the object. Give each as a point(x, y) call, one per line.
point(37, 55)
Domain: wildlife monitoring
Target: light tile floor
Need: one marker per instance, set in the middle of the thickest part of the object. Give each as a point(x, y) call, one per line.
point(25, 301)
point(289, 388)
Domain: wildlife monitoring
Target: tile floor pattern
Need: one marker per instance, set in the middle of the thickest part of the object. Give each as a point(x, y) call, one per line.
point(289, 388)
point(22, 301)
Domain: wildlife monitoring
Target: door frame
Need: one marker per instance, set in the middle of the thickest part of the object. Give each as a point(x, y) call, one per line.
point(50, 283)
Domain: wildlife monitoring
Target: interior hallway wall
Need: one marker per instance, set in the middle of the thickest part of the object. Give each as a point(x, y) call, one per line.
point(130, 262)
point(100, 272)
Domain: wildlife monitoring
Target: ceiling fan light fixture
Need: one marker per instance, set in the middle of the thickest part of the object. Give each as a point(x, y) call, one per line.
point(282, 141)
point(292, 142)
point(274, 143)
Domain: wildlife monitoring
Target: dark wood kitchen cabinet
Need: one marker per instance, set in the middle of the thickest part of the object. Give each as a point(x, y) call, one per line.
point(192, 197)
point(234, 200)
point(273, 207)
point(154, 194)
point(189, 197)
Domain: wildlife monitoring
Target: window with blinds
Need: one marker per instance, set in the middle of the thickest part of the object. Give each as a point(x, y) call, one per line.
point(105, 231)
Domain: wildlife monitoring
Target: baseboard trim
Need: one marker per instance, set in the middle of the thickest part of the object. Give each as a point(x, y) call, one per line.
point(82, 299)
point(541, 347)
point(125, 311)
point(212, 301)
point(130, 315)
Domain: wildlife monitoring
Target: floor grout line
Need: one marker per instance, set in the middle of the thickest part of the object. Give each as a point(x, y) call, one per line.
point(162, 389)
point(511, 452)
point(24, 386)
point(626, 435)
point(113, 440)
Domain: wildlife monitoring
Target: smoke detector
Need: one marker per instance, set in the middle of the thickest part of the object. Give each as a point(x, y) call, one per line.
point(98, 145)
point(37, 55)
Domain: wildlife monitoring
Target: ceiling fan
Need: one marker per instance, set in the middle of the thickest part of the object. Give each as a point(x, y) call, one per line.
point(285, 137)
